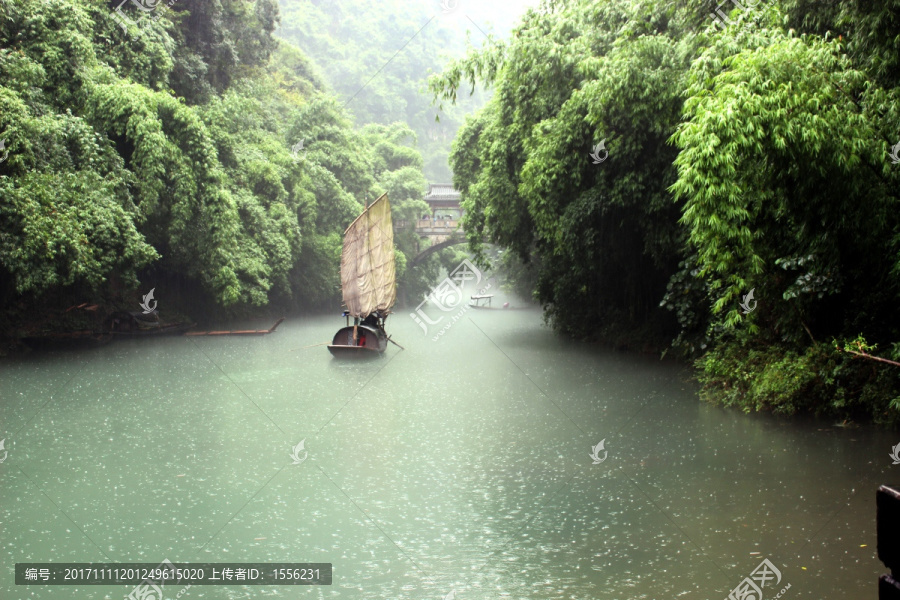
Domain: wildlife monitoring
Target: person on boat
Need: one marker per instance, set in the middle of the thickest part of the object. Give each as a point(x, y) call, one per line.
point(373, 321)
point(362, 339)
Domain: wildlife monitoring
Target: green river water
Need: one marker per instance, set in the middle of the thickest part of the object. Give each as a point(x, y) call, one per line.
point(457, 468)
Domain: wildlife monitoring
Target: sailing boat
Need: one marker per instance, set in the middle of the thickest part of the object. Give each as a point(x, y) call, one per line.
point(368, 282)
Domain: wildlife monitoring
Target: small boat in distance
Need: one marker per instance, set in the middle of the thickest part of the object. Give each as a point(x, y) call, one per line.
point(368, 282)
point(476, 301)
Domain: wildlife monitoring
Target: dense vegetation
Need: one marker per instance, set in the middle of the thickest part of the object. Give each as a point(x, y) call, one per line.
point(747, 155)
point(163, 148)
point(654, 177)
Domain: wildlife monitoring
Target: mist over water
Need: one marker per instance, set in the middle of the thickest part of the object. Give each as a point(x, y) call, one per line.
point(458, 464)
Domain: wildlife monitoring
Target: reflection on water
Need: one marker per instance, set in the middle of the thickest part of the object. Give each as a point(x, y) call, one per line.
point(459, 464)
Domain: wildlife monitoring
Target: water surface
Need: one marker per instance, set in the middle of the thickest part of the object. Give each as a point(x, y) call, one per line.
point(460, 464)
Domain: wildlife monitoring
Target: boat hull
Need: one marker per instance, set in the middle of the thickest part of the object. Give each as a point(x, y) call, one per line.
point(238, 331)
point(124, 323)
point(74, 340)
point(168, 329)
point(374, 342)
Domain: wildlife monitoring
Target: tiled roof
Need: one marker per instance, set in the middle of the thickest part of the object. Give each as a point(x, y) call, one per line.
point(441, 191)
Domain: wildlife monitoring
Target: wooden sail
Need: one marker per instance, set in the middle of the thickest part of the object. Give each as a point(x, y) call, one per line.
point(368, 279)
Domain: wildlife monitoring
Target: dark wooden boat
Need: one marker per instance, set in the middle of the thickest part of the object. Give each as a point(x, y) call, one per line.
point(117, 325)
point(239, 331)
point(79, 329)
point(67, 340)
point(368, 282)
point(136, 324)
point(167, 329)
point(370, 341)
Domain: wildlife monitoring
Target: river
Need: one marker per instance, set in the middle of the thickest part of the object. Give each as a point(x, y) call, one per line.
point(457, 468)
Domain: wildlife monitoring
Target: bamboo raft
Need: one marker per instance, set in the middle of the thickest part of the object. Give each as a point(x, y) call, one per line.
point(239, 331)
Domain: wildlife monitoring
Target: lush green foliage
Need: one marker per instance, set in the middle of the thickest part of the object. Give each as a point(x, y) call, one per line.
point(168, 148)
point(606, 233)
point(751, 155)
point(815, 379)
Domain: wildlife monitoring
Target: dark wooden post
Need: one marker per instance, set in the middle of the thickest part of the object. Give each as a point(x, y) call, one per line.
point(887, 502)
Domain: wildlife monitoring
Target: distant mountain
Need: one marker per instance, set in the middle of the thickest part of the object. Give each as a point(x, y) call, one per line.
point(377, 57)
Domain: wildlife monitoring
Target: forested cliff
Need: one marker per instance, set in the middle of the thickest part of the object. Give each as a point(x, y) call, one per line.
point(179, 142)
point(724, 177)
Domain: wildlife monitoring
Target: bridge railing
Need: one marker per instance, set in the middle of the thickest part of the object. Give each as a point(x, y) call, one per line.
point(425, 226)
point(436, 224)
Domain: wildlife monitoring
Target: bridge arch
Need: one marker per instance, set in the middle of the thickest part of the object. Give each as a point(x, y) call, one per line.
point(455, 239)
